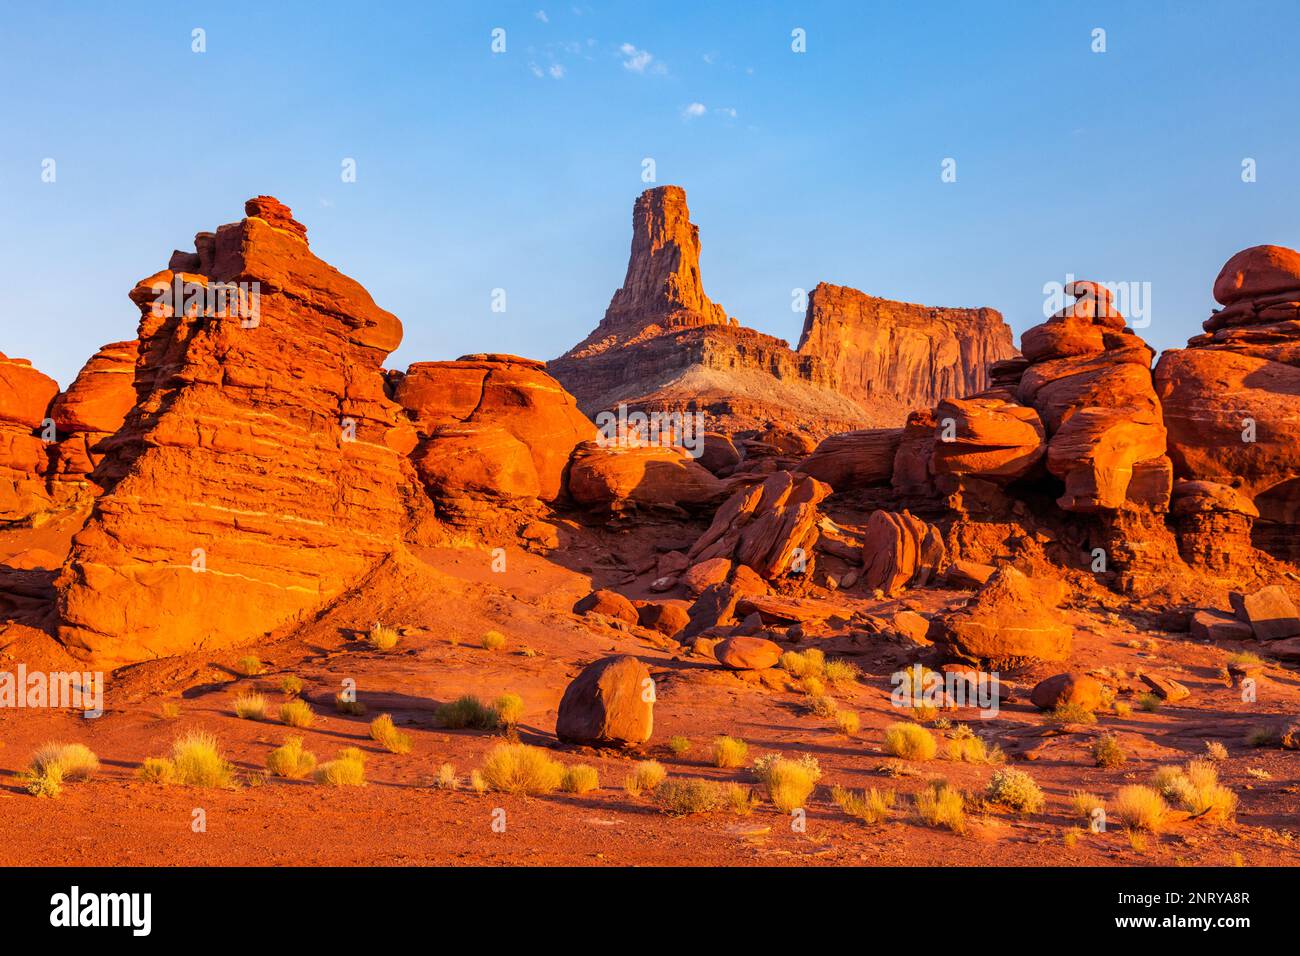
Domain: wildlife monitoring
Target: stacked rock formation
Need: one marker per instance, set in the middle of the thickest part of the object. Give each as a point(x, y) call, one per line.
point(90, 413)
point(770, 528)
point(900, 550)
point(25, 439)
point(263, 468)
point(664, 345)
point(494, 429)
point(1229, 398)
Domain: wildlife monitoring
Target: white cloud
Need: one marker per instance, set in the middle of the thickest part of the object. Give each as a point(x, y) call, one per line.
point(541, 15)
point(694, 110)
point(638, 61)
point(726, 111)
point(556, 71)
point(537, 70)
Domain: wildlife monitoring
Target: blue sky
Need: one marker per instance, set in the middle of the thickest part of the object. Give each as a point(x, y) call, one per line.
point(518, 170)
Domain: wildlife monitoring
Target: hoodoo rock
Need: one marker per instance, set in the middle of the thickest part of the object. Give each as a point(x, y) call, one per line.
point(665, 346)
point(1229, 398)
point(493, 427)
point(25, 438)
point(771, 527)
point(610, 704)
point(263, 468)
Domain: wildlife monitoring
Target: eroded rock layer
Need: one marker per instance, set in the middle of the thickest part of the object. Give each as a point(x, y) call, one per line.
point(263, 468)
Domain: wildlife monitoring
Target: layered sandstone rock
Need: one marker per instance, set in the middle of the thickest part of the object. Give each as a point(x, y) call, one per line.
point(899, 352)
point(1230, 398)
point(987, 436)
point(855, 459)
point(770, 528)
point(492, 428)
point(900, 550)
point(1012, 621)
point(263, 469)
point(25, 441)
point(91, 411)
point(663, 345)
point(615, 476)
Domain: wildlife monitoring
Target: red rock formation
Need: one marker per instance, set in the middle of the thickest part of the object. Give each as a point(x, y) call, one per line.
point(855, 459)
point(1229, 398)
point(899, 550)
point(263, 469)
point(492, 427)
point(987, 436)
point(771, 527)
point(610, 704)
point(91, 411)
point(664, 345)
point(1012, 621)
point(25, 397)
point(898, 352)
point(614, 477)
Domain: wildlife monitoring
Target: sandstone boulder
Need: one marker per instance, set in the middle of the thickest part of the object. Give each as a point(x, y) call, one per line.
point(705, 574)
point(1269, 611)
point(92, 410)
point(25, 397)
point(855, 459)
point(1166, 688)
point(1071, 689)
point(613, 476)
point(665, 617)
point(608, 604)
point(988, 437)
point(609, 704)
point(1011, 621)
point(747, 653)
point(899, 551)
point(1211, 625)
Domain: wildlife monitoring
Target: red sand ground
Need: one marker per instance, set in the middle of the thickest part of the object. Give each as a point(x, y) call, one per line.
point(451, 597)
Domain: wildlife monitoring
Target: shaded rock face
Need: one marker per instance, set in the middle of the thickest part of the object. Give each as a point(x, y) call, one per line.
point(25, 439)
point(855, 459)
point(91, 411)
point(1230, 398)
point(616, 478)
point(911, 355)
point(610, 704)
point(492, 428)
point(263, 467)
point(663, 345)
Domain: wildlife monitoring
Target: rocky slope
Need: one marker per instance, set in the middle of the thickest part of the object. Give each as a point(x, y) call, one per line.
point(663, 345)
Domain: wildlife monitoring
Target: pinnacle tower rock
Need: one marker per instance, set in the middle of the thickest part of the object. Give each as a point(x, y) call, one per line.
point(263, 468)
point(664, 345)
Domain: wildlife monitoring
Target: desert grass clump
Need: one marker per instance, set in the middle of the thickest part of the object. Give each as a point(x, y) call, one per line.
point(679, 745)
point(446, 778)
point(250, 707)
point(196, 761)
point(680, 798)
point(1108, 752)
point(1123, 709)
point(509, 708)
point(972, 749)
point(1215, 751)
point(870, 806)
point(297, 713)
point(1071, 713)
point(157, 770)
point(476, 782)
point(1016, 790)
point(738, 800)
point(1196, 789)
point(382, 638)
point(1085, 804)
point(847, 722)
point(494, 641)
point(348, 769)
point(645, 775)
point(1264, 737)
point(910, 741)
point(813, 687)
point(1140, 808)
point(1149, 703)
point(290, 685)
point(729, 752)
point(384, 733)
point(942, 805)
point(249, 665)
point(519, 768)
point(580, 778)
point(466, 711)
point(1245, 659)
point(346, 703)
point(54, 764)
point(841, 673)
point(290, 760)
point(823, 706)
point(789, 783)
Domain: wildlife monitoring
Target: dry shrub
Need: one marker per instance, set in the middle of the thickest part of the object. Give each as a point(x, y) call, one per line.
point(942, 805)
point(250, 706)
point(841, 673)
point(382, 638)
point(682, 797)
point(789, 783)
point(494, 640)
point(519, 768)
point(290, 760)
point(157, 770)
point(1084, 803)
point(348, 769)
point(729, 752)
point(349, 705)
point(297, 713)
point(1196, 789)
point(910, 741)
point(509, 708)
point(383, 732)
point(1140, 808)
point(446, 778)
point(466, 711)
point(645, 775)
point(580, 778)
point(249, 665)
point(1108, 752)
point(1016, 790)
point(679, 745)
point(196, 761)
point(870, 806)
point(290, 685)
point(848, 722)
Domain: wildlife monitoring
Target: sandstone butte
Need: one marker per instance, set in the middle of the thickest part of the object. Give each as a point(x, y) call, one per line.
point(664, 345)
point(226, 479)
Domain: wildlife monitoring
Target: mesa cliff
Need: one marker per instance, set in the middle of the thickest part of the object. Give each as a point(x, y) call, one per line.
point(664, 345)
